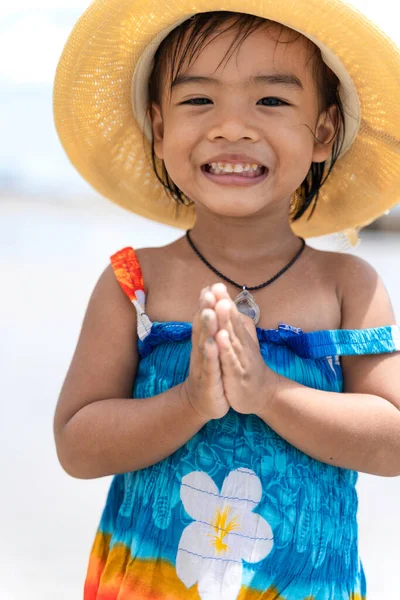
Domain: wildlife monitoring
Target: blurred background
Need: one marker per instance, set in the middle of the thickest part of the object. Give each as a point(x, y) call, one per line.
point(56, 236)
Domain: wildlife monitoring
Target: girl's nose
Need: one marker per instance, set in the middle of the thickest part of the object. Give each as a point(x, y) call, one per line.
point(233, 127)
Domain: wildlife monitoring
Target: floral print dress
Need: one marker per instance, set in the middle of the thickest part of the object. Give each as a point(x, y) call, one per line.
point(237, 513)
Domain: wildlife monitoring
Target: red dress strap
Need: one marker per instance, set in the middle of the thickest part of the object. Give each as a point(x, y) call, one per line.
point(129, 275)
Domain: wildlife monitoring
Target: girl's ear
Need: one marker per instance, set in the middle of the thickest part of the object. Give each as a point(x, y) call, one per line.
point(158, 130)
point(325, 134)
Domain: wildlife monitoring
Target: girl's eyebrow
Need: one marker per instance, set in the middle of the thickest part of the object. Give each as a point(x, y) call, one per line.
point(277, 79)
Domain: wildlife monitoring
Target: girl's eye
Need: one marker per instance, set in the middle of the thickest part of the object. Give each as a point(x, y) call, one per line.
point(197, 101)
point(268, 101)
point(265, 101)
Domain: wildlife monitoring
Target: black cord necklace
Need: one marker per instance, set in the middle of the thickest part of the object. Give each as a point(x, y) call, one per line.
point(245, 301)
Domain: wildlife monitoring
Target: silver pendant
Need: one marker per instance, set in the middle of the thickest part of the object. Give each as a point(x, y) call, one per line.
point(247, 305)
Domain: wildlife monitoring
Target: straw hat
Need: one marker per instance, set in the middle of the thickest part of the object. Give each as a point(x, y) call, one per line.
point(100, 99)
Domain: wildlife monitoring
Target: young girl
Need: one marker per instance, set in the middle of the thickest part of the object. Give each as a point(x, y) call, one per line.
point(218, 400)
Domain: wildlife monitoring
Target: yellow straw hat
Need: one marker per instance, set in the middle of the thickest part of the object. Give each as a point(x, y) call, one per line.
point(100, 98)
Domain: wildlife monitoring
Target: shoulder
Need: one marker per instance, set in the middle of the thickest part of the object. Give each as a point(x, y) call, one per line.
point(361, 292)
point(109, 291)
point(155, 262)
point(340, 265)
point(350, 270)
point(132, 266)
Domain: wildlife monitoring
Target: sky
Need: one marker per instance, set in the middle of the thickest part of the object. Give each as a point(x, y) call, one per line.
point(32, 35)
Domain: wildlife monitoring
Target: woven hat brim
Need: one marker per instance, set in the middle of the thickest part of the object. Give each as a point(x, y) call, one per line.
point(97, 127)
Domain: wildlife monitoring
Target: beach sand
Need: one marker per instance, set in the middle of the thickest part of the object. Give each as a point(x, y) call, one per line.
point(52, 253)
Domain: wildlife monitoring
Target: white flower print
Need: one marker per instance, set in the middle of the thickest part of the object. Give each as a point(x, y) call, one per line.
point(224, 531)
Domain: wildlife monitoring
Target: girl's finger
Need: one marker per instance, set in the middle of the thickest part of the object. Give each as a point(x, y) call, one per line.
point(201, 330)
point(207, 298)
point(207, 327)
point(230, 363)
point(226, 312)
point(229, 318)
point(220, 291)
point(239, 327)
point(223, 309)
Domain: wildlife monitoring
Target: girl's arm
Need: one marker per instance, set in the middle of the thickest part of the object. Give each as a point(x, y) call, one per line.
point(358, 429)
point(118, 435)
point(99, 429)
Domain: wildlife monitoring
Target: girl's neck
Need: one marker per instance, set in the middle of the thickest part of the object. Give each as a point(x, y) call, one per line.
point(231, 240)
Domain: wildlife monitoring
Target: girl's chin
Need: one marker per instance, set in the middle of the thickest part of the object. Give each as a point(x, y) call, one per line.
point(230, 204)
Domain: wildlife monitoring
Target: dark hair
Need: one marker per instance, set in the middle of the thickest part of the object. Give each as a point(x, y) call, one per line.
point(177, 48)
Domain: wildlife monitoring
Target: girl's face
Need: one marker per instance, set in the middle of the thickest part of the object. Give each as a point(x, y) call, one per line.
point(256, 109)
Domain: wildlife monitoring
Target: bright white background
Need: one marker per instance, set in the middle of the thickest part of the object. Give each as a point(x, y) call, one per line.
point(55, 239)
point(43, 27)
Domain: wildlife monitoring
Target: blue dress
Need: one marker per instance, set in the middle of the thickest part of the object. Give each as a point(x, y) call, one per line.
point(236, 512)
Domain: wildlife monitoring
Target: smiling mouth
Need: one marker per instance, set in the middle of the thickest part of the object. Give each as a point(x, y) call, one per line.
point(246, 171)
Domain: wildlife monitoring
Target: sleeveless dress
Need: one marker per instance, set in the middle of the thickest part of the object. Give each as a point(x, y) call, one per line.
point(237, 513)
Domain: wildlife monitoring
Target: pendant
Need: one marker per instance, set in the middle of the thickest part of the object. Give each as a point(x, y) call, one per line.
point(247, 305)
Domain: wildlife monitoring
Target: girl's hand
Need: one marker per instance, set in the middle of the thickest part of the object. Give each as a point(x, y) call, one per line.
point(249, 384)
point(203, 387)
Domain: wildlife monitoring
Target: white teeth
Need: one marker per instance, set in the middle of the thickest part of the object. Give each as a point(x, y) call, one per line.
point(233, 168)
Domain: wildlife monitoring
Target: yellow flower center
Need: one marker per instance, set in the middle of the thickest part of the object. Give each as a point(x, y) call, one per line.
point(222, 525)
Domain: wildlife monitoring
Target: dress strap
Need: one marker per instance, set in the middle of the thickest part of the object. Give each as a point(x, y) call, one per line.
point(343, 342)
point(129, 275)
